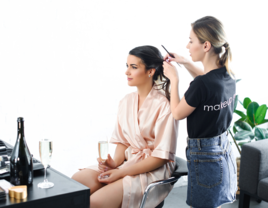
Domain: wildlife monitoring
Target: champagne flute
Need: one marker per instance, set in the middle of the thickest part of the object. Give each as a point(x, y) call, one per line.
point(45, 151)
point(103, 148)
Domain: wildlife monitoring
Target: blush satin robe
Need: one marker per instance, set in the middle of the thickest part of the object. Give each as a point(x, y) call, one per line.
point(151, 131)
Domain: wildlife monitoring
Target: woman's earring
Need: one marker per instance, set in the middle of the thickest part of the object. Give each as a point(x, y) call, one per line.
point(149, 75)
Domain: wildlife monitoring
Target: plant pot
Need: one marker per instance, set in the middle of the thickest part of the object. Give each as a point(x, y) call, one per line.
point(238, 171)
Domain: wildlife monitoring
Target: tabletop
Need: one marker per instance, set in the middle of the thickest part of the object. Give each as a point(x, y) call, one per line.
point(66, 193)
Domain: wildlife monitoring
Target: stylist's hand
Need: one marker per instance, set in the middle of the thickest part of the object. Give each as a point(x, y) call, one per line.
point(106, 165)
point(179, 59)
point(170, 71)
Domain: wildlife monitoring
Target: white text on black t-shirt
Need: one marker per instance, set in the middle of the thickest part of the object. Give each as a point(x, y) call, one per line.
point(219, 106)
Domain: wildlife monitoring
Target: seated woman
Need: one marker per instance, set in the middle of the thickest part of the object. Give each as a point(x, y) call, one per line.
point(145, 134)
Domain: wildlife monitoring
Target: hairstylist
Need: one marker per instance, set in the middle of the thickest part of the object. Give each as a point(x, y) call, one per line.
point(208, 105)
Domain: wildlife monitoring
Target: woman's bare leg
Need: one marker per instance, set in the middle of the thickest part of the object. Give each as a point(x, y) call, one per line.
point(110, 196)
point(88, 178)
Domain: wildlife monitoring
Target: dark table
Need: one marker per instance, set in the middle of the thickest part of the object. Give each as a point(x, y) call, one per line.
point(66, 193)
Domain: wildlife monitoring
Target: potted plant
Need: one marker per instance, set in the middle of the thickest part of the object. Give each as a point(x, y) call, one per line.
point(246, 128)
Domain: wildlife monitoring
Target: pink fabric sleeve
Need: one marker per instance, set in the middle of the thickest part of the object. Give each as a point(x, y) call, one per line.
point(166, 132)
point(117, 136)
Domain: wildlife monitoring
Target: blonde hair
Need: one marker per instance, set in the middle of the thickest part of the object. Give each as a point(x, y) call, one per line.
point(211, 29)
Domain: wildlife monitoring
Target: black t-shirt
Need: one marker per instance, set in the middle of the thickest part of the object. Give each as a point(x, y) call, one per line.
point(213, 97)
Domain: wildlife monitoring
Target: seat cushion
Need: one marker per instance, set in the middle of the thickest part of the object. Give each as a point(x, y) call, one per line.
point(263, 189)
point(181, 168)
point(253, 166)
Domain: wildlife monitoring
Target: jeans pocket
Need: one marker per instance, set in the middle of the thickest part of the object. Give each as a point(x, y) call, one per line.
point(208, 172)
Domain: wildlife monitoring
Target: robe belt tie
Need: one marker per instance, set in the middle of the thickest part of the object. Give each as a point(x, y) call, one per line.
point(145, 152)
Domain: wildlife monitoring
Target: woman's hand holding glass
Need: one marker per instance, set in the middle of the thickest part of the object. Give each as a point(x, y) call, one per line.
point(105, 160)
point(108, 164)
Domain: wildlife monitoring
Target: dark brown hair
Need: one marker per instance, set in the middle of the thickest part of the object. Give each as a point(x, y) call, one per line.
point(153, 59)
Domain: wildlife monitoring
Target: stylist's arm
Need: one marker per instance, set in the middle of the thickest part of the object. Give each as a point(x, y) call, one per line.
point(179, 108)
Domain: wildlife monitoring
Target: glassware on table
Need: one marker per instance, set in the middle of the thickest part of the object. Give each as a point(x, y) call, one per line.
point(45, 151)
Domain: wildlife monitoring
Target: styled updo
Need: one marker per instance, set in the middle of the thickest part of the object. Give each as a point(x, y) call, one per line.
point(153, 59)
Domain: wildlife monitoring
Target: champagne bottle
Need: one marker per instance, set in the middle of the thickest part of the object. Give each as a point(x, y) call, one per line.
point(21, 162)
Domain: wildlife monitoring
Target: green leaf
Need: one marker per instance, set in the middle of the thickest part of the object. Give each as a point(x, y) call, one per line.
point(234, 129)
point(240, 102)
point(242, 125)
point(251, 137)
point(241, 143)
point(241, 135)
point(251, 111)
point(260, 113)
point(235, 102)
point(249, 122)
point(237, 80)
point(241, 119)
point(240, 113)
point(260, 133)
point(264, 121)
point(246, 102)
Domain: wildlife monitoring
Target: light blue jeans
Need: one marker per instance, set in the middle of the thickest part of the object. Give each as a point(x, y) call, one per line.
point(212, 177)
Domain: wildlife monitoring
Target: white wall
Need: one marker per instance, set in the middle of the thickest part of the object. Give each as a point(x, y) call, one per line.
point(62, 64)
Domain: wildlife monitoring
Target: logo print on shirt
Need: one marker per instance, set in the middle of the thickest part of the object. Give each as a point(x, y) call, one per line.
point(223, 104)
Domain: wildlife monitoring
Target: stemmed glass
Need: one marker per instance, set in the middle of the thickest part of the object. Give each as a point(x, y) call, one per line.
point(45, 151)
point(103, 147)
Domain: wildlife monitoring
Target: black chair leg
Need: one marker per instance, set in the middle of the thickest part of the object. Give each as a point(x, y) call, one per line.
point(244, 200)
point(160, 205)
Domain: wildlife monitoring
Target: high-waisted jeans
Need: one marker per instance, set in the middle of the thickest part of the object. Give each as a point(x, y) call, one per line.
point(212, 177)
